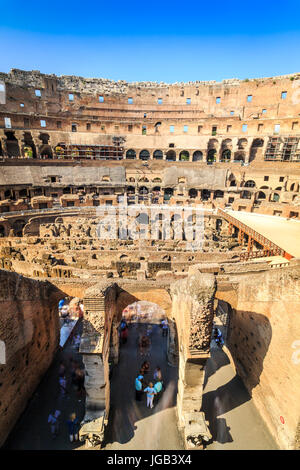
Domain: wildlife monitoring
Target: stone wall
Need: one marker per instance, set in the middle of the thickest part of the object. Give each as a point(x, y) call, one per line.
point(29, 330)
point(264, 340)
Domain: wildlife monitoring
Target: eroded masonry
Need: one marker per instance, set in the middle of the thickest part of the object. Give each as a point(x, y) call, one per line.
point(185, 195)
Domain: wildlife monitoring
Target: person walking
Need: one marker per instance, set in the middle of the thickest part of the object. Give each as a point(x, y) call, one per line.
point(73, 427)
point(145, 367)
point(63, 386)
point(54, 423)
point(150, 394)
point(164, 325)
point(139, 388)
point(124, 334)
point(158, 389)
point(157, 374)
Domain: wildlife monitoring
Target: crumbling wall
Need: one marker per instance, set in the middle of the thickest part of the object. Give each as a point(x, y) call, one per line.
point(29, 330)
point(264, 341)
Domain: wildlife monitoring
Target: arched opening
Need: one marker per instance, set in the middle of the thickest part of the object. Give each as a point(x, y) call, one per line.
point(144, 155)
point(67, 190)
point(171, 156)
point(256, 144)
point(245, 195)
point(226, 155)
point(250, 184)
point(141, 346)
point(261, 195)
point(12, 145)
point(211, 156)
point(158, 155)
point(168, 193)
point(239, 157)
point(18, 226)
point(197, 156)
point(130, 190)
point(184, 156)
point(275, 197)
point(130, 154)
point(2, 231)
point(205, 194)
point(193, 193)
point(46, 151)
point(157, 126)
point(143, 190)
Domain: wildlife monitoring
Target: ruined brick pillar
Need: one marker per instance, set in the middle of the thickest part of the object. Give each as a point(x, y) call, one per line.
point(192, 310)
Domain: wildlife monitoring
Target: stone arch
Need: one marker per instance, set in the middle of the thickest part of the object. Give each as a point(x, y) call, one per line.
point(184, 156)
point(250, 184)
point(144, 154)
point(211, 155)
point(171, 156)
point(197, 156)
point(239, 157)
point(12, 145)
point(226, 155)
point(130, 154)
point(193, 193)
point(46, 151)
point(2, 231)
point(158, 155)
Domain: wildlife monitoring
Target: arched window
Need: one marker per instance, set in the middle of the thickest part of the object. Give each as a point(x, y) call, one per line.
point(261, 195)
point(245, 195)
point(226, 155)
point(193, 193)
point(144, 155)
point(143, 190)
point(158, 155)
point(171, 156)
point(197, 156)
point(168, 193)
point(211, 156)
point(184, 156)
point(239, 157)
point(130, 154)
point(250, 184)
point(275, 197)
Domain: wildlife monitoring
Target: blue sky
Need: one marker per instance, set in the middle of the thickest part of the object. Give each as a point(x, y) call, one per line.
point(168, 41)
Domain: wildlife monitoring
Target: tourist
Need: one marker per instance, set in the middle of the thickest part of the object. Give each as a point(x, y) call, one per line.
point(150, 394)
point(63, 386)
point(139, 388)
point(157, 374)
point(78, 380)
point(73, 427)
point(164, 325)
point(145, 367)
point(144, 345)
point(54, 423)
point(124, 334)
point(158, 389)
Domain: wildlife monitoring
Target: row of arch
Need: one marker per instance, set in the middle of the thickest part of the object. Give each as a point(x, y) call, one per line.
point(184, 155)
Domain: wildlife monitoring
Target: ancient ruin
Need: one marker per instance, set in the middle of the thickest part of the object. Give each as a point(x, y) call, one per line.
point(184, 195)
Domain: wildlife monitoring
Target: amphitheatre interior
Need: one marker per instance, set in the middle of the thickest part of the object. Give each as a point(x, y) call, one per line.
point(184, 195)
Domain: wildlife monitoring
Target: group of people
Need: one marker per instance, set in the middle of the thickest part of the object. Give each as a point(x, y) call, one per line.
point(70, 375)
point(153, 389)
point(72, 423)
